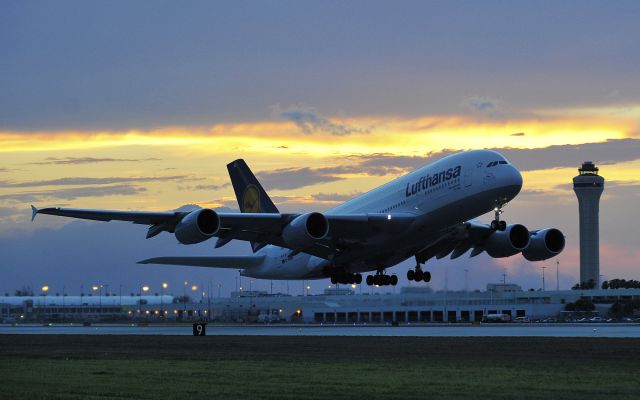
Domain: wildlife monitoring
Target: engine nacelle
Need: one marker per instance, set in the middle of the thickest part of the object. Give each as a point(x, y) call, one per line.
point(197, 226)
point(544, 244)
point(305, 229)
point(507, 243)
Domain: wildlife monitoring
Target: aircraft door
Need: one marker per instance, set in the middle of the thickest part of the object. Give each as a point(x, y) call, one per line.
point(468, 177)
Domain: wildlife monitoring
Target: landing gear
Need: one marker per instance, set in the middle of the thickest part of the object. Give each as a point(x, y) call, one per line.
point(382, 279)
point(497, 224)
point(339, 275)
point(418, 274)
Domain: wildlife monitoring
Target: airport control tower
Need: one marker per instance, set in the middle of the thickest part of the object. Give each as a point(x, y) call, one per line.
point(588, 187)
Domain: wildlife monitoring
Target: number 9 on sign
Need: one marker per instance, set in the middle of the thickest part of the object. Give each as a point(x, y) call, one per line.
point(199, 329)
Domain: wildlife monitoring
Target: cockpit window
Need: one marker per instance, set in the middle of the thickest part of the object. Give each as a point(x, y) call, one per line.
point(494, 163)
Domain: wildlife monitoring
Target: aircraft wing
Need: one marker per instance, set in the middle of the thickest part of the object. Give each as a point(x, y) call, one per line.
point(459, 239)
point(137, 217)
point(344, 229)
point(210, 262)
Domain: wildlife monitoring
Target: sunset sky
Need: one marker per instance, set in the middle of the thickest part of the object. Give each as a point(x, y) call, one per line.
point(140, 106)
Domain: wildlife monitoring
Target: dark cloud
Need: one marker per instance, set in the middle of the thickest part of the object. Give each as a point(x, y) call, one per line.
point(293, 178)
point(309, 121)
point(518, 134)
point(87, 160)
point(82, 181)
point(627, 189)
point(223, 62)
point(74, 193)
point(4, 170)
point(381, 164)
point(481, 104)
point(387, 163)
point(611, 151)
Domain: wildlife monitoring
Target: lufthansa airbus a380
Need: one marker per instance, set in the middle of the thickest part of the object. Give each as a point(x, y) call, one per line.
point(427, 213)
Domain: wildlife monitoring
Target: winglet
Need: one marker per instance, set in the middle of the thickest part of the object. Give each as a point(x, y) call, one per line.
point(34, 211)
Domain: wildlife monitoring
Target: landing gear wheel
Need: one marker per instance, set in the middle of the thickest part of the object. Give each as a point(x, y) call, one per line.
point(495, 225)
point(418, 275)
point(502, 225)
point(358, 279)
point(426, 276)
point(394, 280)
point(334, 279)
point(411, 275)
point(370, 280)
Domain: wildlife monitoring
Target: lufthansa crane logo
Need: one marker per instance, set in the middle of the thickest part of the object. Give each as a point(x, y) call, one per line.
point(251, 199)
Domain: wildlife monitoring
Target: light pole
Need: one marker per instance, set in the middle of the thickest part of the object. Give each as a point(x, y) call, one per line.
point(184, 298)
point(95, 288)
point(45, 289)
point(543, 268)
point(162, 288)
point(193, 289)
point(145, 289)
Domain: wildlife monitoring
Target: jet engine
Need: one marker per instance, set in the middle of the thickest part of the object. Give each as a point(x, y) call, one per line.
point(544, 244)
point(305, 229)
point(197, 226)
point(509, 242)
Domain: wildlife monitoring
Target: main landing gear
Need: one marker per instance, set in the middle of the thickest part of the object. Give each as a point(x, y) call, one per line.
point(382, 279)
point(496, 224)
point(339, 275)
point(418, 274)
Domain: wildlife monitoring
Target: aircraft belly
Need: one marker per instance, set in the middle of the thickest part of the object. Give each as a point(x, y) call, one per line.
point(384, 252)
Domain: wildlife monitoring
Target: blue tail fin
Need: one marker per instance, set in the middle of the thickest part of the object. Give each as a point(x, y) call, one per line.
point(249, 192)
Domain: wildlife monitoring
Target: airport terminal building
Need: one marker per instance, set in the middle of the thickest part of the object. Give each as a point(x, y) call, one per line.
point(336, 305)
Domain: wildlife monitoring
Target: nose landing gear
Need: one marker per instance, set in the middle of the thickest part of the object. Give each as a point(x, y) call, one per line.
point(497, 224)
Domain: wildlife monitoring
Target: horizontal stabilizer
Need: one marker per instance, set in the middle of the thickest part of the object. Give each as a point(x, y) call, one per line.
point(210, 262)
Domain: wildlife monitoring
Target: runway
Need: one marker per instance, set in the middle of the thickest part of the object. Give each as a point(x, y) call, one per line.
point(459, 330)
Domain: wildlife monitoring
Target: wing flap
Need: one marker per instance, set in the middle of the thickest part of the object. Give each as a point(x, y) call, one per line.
point(210, 262)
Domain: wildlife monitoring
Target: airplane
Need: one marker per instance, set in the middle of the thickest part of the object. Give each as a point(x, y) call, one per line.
point(428, 213)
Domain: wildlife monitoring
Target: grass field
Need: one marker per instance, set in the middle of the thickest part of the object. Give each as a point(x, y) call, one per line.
point(263, 367)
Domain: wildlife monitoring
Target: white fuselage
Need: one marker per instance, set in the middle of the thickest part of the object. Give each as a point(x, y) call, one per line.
point(442, 194)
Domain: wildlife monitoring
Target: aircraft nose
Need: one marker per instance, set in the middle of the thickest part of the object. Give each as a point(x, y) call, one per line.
point(515, 180)
point(517, 177)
